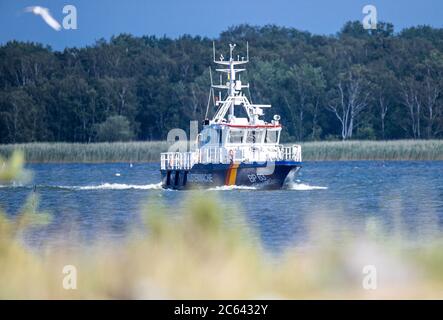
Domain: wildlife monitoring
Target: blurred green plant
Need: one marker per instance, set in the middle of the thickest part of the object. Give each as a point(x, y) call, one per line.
point(11, 168)
point(28, 216)
point(204, 250)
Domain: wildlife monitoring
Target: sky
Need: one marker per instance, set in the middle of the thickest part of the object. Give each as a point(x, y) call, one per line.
point(103, 18)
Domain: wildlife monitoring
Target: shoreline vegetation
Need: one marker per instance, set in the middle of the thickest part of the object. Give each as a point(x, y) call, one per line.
point(149, 151)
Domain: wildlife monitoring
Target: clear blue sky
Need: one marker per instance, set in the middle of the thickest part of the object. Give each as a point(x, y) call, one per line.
point(102, 19)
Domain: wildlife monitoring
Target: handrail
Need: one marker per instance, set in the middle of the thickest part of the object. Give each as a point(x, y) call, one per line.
point(186, 160)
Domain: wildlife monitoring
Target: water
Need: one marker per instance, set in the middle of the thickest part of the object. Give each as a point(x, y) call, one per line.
point(103, 200)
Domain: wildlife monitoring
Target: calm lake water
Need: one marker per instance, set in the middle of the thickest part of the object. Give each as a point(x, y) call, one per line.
point(101, 201)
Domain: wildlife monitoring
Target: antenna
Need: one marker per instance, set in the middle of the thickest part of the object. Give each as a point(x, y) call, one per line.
point(234, 95)
point(207, 106)
point(213, 49)
point(210, 75)
point(247, 51)
point(231, 49)
point(212, 86)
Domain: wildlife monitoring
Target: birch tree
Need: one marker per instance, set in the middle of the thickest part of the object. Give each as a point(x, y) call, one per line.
point(432, 89)
point(410, 98)
point(349, 99)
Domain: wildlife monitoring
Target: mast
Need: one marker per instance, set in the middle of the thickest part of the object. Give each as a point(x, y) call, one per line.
point(233, 86)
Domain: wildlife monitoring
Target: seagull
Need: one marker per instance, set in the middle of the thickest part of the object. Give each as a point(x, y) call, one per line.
point(46, 16)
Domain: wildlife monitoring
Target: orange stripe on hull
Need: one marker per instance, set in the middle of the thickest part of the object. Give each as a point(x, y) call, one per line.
point(231, 175)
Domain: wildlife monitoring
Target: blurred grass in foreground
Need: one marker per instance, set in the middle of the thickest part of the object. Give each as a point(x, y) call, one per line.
point(197, 254)
point(149, 151)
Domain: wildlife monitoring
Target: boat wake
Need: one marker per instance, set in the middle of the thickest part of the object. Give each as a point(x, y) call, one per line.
point(103, 186)
point(304, 187)
point(158, 186)
point(14, 185)
point(228, 188)
point(116, 186)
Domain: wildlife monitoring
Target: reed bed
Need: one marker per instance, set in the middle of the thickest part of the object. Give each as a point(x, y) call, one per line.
point(149, 151)
point(373, 150)
point(196, 254)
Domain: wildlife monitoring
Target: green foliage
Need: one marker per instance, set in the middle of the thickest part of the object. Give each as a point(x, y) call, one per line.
point(115, 128)
point(10, 169)
point(159, 83)
point(28, 216)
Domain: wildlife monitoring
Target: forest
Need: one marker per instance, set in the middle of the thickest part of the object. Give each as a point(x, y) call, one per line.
point(357, 84)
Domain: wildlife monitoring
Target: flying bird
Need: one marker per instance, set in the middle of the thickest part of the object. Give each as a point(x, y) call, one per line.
point(46, 16)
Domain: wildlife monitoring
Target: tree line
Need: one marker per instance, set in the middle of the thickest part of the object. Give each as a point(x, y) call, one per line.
point(356, 84)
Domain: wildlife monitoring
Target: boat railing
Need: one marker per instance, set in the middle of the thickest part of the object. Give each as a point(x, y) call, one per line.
point(186, 160)
point(211, 155)
point(291, 153)
point(177, 160)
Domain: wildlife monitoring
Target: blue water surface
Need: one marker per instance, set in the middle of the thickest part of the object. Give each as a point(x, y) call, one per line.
point(103, 201)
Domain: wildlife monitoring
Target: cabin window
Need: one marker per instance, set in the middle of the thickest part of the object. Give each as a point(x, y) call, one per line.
point(236, 136)
point(204, 138)
point(218, 137)
point(254, 136)
point(272, 136)
point(210, 136)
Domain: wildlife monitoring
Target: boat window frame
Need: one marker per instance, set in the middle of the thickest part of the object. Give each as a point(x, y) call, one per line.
point(243, 136)
point(277, 131)
point(260, 135)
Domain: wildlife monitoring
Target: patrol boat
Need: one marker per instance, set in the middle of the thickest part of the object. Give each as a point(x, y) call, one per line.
point(236, 147)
